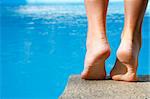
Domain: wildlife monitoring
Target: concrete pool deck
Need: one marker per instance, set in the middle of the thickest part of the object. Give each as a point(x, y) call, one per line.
point(78, 88)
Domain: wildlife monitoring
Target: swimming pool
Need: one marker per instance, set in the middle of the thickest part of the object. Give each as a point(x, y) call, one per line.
point(41, 45)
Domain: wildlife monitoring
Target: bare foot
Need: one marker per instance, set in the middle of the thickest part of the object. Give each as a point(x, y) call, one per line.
point(127, 60)
point(98, 51)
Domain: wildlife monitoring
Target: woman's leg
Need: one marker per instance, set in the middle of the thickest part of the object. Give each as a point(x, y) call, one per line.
point(128, 51)
point(97, 45)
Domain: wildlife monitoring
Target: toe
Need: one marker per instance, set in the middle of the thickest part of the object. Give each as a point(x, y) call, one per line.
point(117, 77)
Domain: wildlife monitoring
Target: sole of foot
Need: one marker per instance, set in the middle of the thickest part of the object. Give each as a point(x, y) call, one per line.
point(94, 68)
point(123, 72)
point(127, 62)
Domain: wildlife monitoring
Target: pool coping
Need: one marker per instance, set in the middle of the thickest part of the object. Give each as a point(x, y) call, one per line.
point(78, 88)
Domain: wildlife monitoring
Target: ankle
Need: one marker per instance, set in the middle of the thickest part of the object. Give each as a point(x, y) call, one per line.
point(131, 34)
point(132, 37)
point(95, 36)
point(96, 32)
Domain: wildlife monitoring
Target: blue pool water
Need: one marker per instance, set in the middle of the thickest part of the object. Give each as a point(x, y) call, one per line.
point(41, 45)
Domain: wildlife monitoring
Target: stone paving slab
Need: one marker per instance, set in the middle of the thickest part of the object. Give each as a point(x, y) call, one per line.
point(78, 88)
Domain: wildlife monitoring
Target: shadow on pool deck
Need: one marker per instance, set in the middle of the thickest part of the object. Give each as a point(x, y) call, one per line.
point(78, 88)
